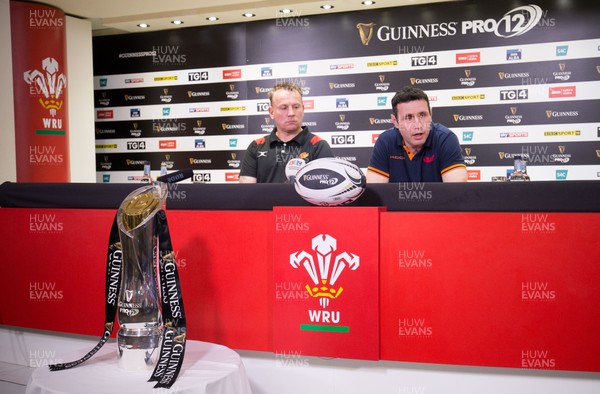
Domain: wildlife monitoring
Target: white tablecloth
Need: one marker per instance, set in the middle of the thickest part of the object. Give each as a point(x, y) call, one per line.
point(207, 369)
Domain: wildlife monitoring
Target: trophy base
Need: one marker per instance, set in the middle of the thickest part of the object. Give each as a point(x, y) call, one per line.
point(138, 348)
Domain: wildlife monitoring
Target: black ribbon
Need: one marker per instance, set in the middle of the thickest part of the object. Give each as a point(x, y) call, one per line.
point(174, 333)
point(113, 284)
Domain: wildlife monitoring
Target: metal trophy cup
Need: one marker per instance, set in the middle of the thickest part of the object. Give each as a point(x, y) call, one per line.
point(139, 257)
point(139, 306)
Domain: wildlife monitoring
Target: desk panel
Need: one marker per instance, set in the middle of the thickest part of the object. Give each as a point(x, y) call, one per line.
point(491, 289)
point(494, 289)
point(56, 272)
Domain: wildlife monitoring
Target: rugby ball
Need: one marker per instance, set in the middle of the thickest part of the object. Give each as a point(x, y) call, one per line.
point(330, 182)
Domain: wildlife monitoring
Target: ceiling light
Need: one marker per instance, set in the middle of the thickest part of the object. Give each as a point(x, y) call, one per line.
point(177, 22)
point(249, 15)
point(286, 11)
point(143, 25)
point(326, 6)
point(212, 18)
point(368, 2)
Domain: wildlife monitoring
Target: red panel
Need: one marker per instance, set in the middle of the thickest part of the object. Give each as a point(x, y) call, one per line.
point(55, 272)
point(39, 60)
point(54, 269)
point(226, 260)
point(326, 282)
point(506, 289)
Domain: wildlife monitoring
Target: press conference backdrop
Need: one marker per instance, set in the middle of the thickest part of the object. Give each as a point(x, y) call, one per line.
point(508, 79)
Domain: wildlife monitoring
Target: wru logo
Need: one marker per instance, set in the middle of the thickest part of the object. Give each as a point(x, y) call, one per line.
point(51, 84)
point(324, 274)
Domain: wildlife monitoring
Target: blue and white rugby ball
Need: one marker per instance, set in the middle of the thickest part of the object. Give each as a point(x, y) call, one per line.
point(330, 182)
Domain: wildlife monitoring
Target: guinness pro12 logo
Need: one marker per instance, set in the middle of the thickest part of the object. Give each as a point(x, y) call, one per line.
point(515, 22)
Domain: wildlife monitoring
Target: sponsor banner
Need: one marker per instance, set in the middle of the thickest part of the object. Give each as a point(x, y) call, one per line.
point(406, 30)
point(200, 159)
point(174, 144)
point(557, 173)
point(530, 134)
point(535, 154)
point(301, 72)
point(326, 282)
point(443, 304)
point(167, 127)
point(154, 53)
point(196, 160)
point(200, 176)
point(39, 62)
point(499, 68)
point(551, 113)
point(527, 75)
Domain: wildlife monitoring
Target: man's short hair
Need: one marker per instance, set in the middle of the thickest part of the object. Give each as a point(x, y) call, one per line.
point(407, 94)
point(290, 86)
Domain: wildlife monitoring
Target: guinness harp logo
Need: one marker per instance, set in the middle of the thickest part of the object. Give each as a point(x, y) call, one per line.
point(598, 69)
point(513, 110)
point(468, 151)
point(365, 30)
point(562, 149)
point(179, 338)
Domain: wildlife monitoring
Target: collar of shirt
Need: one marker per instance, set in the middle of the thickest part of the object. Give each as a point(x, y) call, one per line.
point(299, 138)
point(427, 144)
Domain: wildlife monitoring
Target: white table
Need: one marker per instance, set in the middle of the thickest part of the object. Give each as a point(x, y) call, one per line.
point(207, 368)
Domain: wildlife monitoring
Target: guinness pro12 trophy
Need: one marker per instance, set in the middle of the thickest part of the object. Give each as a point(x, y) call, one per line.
point(140, 258)
point(138, 310)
